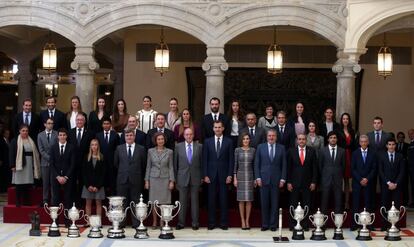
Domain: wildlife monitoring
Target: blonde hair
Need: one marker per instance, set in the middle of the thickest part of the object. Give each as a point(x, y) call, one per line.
point(100, 156)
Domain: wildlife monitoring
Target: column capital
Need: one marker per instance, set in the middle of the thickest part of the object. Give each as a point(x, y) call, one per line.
point(215, 63)
point(84, 61)
point(346, 67)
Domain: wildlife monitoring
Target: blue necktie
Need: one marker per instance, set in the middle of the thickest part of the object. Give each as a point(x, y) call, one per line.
point(272, 155)
point(189, 154)
point(364, 156)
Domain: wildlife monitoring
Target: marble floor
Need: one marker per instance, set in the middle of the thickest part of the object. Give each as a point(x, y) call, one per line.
point(18, 235)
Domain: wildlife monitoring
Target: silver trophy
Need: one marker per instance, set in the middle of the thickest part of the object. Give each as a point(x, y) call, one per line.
point(140, 212)
point(318, 220)
point(73, 214)
point(338, 220)
point(298, 214)
point(393, 216)
point(166, 215)
point(364, 219)
point(95, 222)
point(116, 214)
point(54, 214)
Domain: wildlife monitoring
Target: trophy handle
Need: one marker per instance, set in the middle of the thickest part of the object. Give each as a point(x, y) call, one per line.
point(333, 216)
point(177, 204)
point(355, 218)
point(311, 219)
point(61, 208)
point(86, 218)
point(383, 209)
point(306, 209)
point(326, 218)
point(151, 208)
point(65, 213)
point(81, 212)
point(45, 206)
point(106, 210)
point(373, 218)
point(125, 212)
point(345, 215)
point(132, 207)
point(155, 208)
point(291, 210)
point(402, 208)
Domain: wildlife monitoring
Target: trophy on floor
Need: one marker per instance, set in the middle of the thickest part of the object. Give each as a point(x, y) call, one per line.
point(166, 215)
point(392, 216)
point(318, 220)
point(116, 214)
point(140, 212)
point(364, 219)
point(35, 221)
point(298, 214)
point(95, 222)
point(280, 238)
point(338, 220)
point(73, 214)
point(54, 213)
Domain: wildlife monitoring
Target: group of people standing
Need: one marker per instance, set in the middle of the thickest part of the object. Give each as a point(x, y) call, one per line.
point(92, 156)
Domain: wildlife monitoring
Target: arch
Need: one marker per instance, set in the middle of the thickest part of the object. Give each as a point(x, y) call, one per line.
point(358, 36)
point(325, 23)
point(42, 16)
point(164, 14)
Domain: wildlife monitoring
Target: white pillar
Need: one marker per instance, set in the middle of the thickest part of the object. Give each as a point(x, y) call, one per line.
point(24, 78)
point(85, 64)
point(215, 65)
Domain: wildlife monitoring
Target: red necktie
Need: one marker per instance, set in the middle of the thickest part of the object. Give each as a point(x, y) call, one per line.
point(302, 157)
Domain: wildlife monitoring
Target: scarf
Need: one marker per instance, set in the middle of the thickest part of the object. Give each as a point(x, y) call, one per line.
point(19, 156)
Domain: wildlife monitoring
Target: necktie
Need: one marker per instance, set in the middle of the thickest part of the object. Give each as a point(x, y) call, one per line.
point(26, 119)
point(79, 137)
point(364, 156)
point(333, 155)
point(218, 147)
point(129, 152)
point(106, 137)
point(189, 154)
point(252, 132)
point(161, 130)
point(281, 132)
point(61, 149)
point(377, 138)
point(51, 114)
point(48, 137)
point(392, 159)
point(271, 152)
point(215, 117)
point(302, 157)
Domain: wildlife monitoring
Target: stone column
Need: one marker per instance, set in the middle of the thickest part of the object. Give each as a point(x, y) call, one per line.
point(345, 92)
point(215, 65)
point(24, 88)
point(85, 64)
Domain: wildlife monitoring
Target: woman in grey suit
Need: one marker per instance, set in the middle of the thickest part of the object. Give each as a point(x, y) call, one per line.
point(159, 176)
point(312, 138)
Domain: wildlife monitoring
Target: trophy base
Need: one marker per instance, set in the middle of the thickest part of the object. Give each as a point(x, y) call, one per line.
point(95, 234)
point(392, 237)
point(298, 235)
point(116, 234)
point(53, 233)
point(141, 234)
point(169, 235)
point(35, 233)
point(338, 236)
point(73, 232)
point(318, 236)
point(363, 237)
point(280, 239)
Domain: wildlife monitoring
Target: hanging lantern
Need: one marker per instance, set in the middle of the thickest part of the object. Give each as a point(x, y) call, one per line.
point(49, 55)
point(274, 57)
point(385, 61)
point(162, 56)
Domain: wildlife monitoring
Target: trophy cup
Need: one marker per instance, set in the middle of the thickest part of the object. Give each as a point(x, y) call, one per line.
point(318, 220)
point(166, 215)
point(364, 219)
point(116, 214)
point(298, 214)
point(141, 213)
point(73, 214)
point(54, 214)
point(95, 222)
point(393, 216)
point(338, 220)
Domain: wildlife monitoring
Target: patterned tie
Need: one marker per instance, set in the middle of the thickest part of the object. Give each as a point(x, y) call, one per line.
point(26, 119)
point(272, 152)
point(218, 147)
point(129, 152)
point(333, 155)
point(302, 157)
point(189, 154)
point(79, 137)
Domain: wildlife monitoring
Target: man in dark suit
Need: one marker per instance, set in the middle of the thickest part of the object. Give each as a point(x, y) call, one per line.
point(59, 120)
point(80, 138)
point(62, 166)
point(160, 127)
point(364, 168)
point(270, 173)
point(187, 167)
point(218, 162)
point(285, 133)
point(209, 119)
point(302, 175)
point(140, 136)
point(410, 163)
point(378, 138)
point(391, 169)
point(331, 168)
point(257, 134)
point(130, 160)
point(27, 117)
point(108, 141)
point(329, 124)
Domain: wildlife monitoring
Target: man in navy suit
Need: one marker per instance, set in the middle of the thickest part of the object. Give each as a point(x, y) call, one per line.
point(108, 141)
point(218, 162)
point(285, 133)
point(160, 127)
point(270, 173)
point(209, 119)
point(140, 136)
point(27, 117)
point(59, 120)
point(391, 169)
point(364, 168)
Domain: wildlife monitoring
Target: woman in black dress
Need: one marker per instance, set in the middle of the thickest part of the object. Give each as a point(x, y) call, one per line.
point(95, 117)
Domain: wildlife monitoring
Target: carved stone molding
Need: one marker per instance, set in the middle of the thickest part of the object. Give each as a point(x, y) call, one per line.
point(84, 62)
